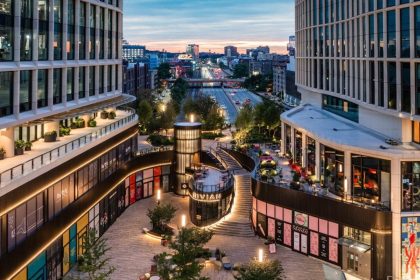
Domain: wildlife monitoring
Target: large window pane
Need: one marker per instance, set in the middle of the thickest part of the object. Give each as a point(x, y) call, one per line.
point(57, 86)
point(405, 88)
point(25, 95)
point(43, 14)
point(392, 34)
point(92, 25)
point(92, 84)
point(70, 29)
point(6, 30)
point(392, 85)
point(82, 82)
point(42, 92)
point(6, 93)
point(82, 31)
point(58, 29)
point(405, 32)
point(70, 84)
point(26, 30)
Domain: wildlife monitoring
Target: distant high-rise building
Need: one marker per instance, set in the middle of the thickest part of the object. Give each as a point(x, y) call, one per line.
point(154, 60)
point(231, 51)
point(193, 50)
point(132, 52)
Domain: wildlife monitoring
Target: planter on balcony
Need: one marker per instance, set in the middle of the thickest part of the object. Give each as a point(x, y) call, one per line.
point(50, 136)
point(2, 153)
point(112, 115)
point(18, 151)
point(104, 115)
point(19, 147)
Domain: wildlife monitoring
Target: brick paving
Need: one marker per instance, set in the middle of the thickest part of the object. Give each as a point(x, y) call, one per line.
point(132, 252)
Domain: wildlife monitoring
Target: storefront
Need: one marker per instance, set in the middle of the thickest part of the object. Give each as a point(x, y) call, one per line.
point(410, 173)
point(371, 179)
point(332, 169)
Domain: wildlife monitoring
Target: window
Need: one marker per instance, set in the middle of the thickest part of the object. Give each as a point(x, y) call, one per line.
point(101, 33)
point(25, 96)
point(380, 23)
point(371, 180)
point(417, 30)
point(101, 79)
point(392, 85)
point(26, 30)
point(405, 87)
point(92, 82)
point(82, 82)
point(6, 93)
point(42, 91)
point(58, 29)
point(6, 31)
point(109, 79)
point(82, 31)
point(110, 34)
point(57, 98)
point(392, 34)
point(70, 84)
point(410, 173)
point(341, 107)
point(70, 45)
point(43, 14)
point(332, 173)
point(92, 25)
point(405, 32)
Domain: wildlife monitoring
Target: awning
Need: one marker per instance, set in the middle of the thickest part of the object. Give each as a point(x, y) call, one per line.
point(89, 109)
point(351, 243)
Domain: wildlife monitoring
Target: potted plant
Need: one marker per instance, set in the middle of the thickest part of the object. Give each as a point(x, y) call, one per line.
point(64, 131)
point(28, 145)
point(104, 114)
point(112, 115)
point(19, 147)
point(2, 153)
point(80, 123)
point(92, 123)
point(50, 136)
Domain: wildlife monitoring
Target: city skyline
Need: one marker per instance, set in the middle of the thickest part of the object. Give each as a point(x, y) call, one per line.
point(163, 24)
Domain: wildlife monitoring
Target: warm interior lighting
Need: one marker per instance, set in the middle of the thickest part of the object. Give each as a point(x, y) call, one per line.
point(192, 118)
point(345, 186)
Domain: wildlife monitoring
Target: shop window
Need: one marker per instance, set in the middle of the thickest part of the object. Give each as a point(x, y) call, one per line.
point(410, 172)
point(341, 107)
point(332, 173)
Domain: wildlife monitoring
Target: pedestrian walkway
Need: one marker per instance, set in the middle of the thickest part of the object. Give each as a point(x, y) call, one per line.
point(132, 251)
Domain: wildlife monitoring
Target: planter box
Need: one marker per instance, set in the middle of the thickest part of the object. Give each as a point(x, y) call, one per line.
point(104, 115)
point(50, 138)
point(1, 156)
point(18, 151)
point(27, 148)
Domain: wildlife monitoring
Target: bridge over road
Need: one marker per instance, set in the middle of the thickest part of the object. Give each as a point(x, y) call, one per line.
point(210, 82)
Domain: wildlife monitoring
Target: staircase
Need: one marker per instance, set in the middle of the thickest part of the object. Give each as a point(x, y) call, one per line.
point(237, 222)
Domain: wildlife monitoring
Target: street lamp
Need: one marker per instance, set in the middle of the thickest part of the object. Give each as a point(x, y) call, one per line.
point(183, 220)
point(192, 118)
point(163, 107)
point(260, 255)
point(158, 196)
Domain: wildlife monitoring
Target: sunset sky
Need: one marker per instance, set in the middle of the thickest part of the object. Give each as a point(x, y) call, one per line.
point(213, 24)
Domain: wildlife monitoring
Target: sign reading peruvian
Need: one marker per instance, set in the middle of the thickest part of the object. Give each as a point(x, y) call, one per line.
point(206, 196)
point(301, 219)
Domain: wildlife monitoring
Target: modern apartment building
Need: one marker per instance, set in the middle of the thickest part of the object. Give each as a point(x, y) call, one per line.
point(357, 132)
point(60, 97)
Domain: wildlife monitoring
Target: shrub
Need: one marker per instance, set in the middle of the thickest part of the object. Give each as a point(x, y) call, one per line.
point(112, 115)
point(159, 140)
point(20, 144)
point(211, 135)
point(92, 123)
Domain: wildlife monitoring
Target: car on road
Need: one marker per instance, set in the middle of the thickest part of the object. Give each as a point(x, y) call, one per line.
point(237, 102)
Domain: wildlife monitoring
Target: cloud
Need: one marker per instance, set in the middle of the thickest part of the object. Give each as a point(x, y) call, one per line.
point(171, 24)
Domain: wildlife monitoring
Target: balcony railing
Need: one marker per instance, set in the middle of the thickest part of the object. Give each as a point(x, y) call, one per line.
point(25, 168)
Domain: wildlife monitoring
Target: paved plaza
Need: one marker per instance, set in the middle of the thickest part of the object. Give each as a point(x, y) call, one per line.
point(132, 251)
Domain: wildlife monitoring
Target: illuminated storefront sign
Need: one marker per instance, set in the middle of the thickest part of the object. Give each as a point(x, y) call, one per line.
point(205, 196)
point(410, 247)
point(301, 219)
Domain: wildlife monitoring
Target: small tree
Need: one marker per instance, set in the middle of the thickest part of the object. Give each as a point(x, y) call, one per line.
point(160, 216)
point(94, 263)
point(145, 112)
point(187, 247)
point(267, 270)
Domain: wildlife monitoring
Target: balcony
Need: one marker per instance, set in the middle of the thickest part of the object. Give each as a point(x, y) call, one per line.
point(43, 154)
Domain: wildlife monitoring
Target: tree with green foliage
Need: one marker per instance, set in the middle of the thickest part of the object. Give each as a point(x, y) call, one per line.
point(187, 247)
point(167, 117)
point(259, 118)
point(93, 262)
point(145, 112)
point(179, 90)
point(222, 65)
point(160, 216)
point(267, 270)
point(258, 82)
point(207, 110)
point(245, 117)
point(163, 72)
point(241, 70)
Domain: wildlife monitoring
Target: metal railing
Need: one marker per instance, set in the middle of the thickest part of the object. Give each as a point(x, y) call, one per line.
point(25, 168)
point(146, 151)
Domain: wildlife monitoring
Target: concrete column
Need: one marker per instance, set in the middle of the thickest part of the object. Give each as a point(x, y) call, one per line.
point(16, 38)
point(7, 141)
point(76, 83)
point(304, 150)
point(86, 118)
point(283, 139)
point(35, 31)
point(105, 46)
point(292, 144)
point(50, 35)
point(34, 84)
point(347, 174)
point(64, 21)
point(396, 216)
point(52, 126)
point(317, 160)
point(50, 88)
point(16, 91)
point(76, 33)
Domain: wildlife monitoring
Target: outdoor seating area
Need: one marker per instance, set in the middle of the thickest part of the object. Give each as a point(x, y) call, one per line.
point(208, 179)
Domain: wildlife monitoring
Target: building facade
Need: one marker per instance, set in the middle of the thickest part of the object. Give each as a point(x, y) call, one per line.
point(231, 51)
point(193, 50)
point(133, 52)
point(279, 79)
point(64, 130)
point(357, 130)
